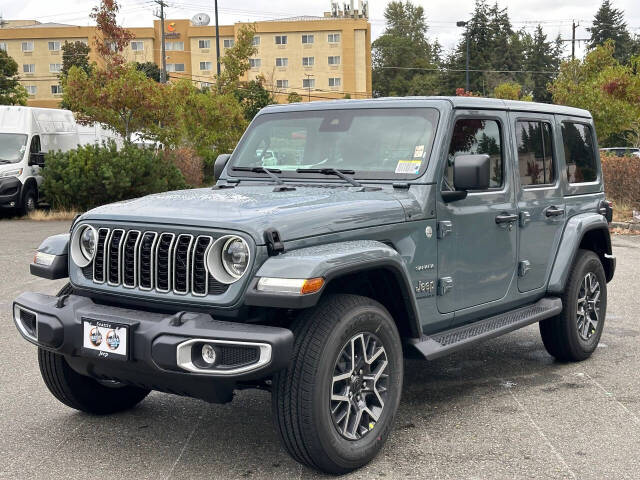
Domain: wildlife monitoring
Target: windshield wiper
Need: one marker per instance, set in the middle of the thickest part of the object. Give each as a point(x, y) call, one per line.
point(2, 162)
point(343, 174)
point(269, 171)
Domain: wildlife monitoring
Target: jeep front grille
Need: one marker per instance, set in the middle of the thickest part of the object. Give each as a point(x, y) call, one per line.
point(160, 261)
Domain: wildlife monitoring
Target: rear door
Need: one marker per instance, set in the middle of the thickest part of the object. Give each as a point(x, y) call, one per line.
point(541, 206)
point(477, 235)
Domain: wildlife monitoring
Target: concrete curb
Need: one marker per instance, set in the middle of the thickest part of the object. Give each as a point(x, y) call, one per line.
point(634, 227)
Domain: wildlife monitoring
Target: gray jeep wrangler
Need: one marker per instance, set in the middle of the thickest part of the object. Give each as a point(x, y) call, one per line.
point(374, 230)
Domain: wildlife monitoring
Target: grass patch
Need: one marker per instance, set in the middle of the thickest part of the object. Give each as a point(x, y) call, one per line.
point(52, 215)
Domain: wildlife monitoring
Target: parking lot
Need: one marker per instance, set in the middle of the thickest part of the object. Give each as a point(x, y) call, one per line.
point(504, 409)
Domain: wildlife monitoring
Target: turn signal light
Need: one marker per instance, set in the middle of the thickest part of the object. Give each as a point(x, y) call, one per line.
point(291, 286)
point(311, 285)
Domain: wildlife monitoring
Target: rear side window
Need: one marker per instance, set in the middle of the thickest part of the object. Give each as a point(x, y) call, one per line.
point(535, 153)
point(579, 152)
point(476, 136)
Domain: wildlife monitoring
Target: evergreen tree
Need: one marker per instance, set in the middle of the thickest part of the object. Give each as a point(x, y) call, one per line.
point(150, 69)
point(405, 62)
point(11, 92)
point(609, 24)
point(540, 55)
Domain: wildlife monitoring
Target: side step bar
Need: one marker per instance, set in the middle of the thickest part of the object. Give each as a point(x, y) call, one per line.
point(449, 341)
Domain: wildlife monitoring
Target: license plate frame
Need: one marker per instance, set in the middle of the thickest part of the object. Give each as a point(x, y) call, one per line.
point(105, 339)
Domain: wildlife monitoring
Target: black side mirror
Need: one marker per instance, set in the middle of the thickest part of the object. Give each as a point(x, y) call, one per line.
point(471, 172)
point(36, 158)
point(219, 165)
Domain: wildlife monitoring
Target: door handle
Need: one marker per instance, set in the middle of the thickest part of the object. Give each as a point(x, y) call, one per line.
point(506, 218)
point(553, 211)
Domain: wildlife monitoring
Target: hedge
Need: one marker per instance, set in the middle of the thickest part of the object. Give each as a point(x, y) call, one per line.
point(94, 175)
point(622, 180)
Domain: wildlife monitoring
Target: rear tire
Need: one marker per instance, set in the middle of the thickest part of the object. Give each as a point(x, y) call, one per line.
point(347, 360)
point(573, 335)
point(84, 393)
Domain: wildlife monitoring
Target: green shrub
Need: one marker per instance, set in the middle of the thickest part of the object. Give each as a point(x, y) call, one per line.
point(93, 175)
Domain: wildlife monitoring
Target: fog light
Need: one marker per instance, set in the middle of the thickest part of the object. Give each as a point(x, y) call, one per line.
point(208, 354)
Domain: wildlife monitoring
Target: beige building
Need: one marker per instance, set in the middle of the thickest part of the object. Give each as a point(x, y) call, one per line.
point(316, 57)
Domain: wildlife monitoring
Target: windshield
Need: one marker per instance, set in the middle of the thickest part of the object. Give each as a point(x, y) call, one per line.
point(384, 143)
point(12, 147)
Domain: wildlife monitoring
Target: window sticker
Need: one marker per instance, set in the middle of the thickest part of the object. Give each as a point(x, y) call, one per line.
point(419, 151)
point(408, 166)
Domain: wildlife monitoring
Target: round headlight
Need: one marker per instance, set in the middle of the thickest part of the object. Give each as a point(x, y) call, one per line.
point(83, 245)
point(228, 259)
point(235, 257)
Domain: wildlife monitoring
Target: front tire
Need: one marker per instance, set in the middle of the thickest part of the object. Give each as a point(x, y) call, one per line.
point(335, 403)
point(29, 201)
point(573, 335)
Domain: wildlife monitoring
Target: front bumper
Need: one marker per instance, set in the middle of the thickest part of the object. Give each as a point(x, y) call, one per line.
point(162, 347)
point(10, 188)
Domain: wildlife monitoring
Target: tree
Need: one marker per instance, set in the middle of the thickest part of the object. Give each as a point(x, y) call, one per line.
point(608, 89)
point(124, 99)
point(404, 61)
point(235, 62)
point(609, 24)
point(111, 39)
point(511, 91)
point(11, 92)
point(75, 54)
point(150, 69)
point(540, 55)
point(253, 97)
point(294, 97)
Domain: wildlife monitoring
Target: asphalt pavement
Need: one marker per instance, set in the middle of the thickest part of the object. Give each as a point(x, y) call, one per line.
point(502, 410)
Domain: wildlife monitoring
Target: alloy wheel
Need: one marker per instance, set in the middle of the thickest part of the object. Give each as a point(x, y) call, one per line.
point(588, 306)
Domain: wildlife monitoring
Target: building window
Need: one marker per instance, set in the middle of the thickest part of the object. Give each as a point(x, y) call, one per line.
point(282, 62)
point(205, 65)
point(54, 46)
point(307, 38)
point(27, 46)
point(229, 42)
point(137, 46)
point(205, 85)
point(333, 38)
point(255, 62)
point(175, 46)
point(256, 41)
point(29, 68)
point(334, 82)
point(281, 39)
point(282, 83)
point(113, 46)
point(3, 47)
point(31, 89)
point(334, 60)
point(535, 155)
point(309, 83)
point(204, 43)
point(175, 67)
point(579, 152)
point(56, 89)
point(308, 61)
point(55, 67)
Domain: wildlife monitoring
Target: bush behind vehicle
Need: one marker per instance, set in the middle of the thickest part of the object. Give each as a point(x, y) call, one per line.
point(93, 175)
point(621, 176)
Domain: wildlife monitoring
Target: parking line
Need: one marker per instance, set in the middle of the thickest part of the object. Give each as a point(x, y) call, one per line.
point(613, 396)
point(184, 447)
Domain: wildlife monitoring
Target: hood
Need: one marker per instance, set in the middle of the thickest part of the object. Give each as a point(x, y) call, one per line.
point(304, 212)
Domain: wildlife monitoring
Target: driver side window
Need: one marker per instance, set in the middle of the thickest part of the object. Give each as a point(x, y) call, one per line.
point(35, 145)
point(473, 136)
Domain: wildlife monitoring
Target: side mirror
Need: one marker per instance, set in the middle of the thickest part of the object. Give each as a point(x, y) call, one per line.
point(36, 158)
point(219, 165)
point(471, 172)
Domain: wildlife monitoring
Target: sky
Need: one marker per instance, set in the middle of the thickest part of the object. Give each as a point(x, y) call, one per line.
point(554, 15)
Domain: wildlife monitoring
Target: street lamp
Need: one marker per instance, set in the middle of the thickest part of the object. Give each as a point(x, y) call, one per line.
point(464, 24)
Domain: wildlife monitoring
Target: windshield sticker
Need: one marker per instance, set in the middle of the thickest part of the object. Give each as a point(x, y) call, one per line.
point(419, 151)
point(408, 166)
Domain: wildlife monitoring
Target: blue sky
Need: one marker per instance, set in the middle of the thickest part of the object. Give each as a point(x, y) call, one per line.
point(555, 15)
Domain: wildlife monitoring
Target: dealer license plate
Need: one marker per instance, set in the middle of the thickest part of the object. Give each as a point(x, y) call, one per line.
point(105, 339)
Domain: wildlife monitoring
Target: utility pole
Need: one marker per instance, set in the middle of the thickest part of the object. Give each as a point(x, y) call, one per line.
point(308, 75)
point(163, 53)
point(217, 39)
point(573, 39)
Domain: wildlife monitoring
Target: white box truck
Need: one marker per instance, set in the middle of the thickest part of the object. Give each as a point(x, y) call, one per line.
point(26, 135)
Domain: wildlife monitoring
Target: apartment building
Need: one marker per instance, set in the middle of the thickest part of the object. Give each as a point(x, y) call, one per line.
point(317, 57)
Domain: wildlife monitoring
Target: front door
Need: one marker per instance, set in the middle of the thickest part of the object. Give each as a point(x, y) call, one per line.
point(477, 235)
point(541, 204)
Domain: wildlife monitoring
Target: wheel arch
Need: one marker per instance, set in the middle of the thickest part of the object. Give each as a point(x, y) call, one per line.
point(29, 184)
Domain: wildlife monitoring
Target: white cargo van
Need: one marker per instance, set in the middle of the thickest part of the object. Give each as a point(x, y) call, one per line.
point(26, 134)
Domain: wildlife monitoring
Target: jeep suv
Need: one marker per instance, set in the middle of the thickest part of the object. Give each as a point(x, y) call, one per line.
point(380, 229)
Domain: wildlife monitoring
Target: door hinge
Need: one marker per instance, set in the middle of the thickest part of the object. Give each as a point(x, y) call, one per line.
point(445, 227)
point(525, 217)
point(523, 267)
point(444, 285)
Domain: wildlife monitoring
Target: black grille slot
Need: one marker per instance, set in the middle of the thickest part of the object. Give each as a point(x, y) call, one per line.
point(88, 272)
point(216, 287)
point(113, 260)
point(199, 284)
point(29, 321)
point(129, 260)
point(163, 261)
point(181, 260)
point(146, 260)
point(232, 356)
point(98, 263)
